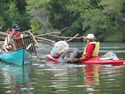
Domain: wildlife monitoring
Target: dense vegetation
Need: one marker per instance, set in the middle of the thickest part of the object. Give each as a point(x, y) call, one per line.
point(104, 18)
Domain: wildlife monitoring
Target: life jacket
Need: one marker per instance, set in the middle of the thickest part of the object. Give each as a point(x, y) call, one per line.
point(95, 51)
point(18, 36)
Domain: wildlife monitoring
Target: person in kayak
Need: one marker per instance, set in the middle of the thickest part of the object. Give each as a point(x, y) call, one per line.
point(91, 50)
point(14, 34)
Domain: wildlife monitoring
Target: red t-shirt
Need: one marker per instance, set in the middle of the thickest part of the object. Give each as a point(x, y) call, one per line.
point(89, 50)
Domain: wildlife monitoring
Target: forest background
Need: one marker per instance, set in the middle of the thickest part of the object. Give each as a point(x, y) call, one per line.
point(104, 18)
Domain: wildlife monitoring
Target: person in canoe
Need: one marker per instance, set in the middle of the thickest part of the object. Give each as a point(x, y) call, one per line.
point(91, 50)
point(15, 34)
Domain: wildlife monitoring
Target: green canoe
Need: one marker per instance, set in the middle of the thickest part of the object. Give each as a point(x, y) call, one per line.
point(17, 57)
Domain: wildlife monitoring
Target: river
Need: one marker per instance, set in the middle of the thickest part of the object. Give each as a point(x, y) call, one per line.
point(42, 78)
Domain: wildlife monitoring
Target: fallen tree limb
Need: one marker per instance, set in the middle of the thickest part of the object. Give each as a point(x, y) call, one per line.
point(42, 41)
point(39, 38)
point(2, 38)
point(63, 29)
point(33, 38)
point(72, 38)
point(48, 34)
point(62, 37)
point(46, 40)
point(3, 33)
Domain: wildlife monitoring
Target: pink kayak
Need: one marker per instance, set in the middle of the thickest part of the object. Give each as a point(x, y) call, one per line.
point(93, 60)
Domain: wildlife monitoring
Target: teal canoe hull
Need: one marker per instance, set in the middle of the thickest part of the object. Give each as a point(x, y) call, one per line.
point(15, 74)
point(18, 57)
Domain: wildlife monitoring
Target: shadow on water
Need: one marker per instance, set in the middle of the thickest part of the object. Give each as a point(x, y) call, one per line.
point(13, 78)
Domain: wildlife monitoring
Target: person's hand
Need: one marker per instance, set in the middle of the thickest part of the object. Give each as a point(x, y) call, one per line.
point(75, 60)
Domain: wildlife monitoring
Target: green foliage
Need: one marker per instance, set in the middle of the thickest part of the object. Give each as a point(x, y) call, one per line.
point(13, 13)
point(112, 6)
point(113, 36)
point(32, 5)
point(101, 17)
point(37, 10)
point(104, 18)
point(2, 22)
point(95, 20)
point(115, 9)
point(35, 26)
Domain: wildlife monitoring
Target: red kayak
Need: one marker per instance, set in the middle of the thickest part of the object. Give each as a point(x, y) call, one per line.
point(102, 60)
point(93, 60)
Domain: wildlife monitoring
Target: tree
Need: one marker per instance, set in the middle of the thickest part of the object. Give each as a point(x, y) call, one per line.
point(13, 13)
point(106, 19)
point(39, 15)
point(115, 10)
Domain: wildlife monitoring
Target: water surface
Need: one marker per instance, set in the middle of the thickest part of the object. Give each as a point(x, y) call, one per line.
point(44, 78)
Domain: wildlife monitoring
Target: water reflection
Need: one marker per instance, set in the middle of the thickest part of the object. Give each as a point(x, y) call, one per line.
point(93, 78)
point(14, 77)
point(102, 77)
point(64, 78)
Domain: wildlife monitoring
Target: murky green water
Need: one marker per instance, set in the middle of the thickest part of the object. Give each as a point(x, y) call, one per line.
point(43, 78)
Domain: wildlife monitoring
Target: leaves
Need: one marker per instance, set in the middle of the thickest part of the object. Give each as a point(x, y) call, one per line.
point(104, 18)
point(13, 13)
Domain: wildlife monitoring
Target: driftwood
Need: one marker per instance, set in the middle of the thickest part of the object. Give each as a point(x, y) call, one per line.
point(46, 40)
point(34, 38)
point(2, 38)
point(72, 38)
point(47, 34)
point(40, 38)
point(63, 37)
point(3, 33)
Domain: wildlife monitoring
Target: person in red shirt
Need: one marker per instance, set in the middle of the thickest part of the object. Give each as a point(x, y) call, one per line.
point(90, 49)
point(15, 34)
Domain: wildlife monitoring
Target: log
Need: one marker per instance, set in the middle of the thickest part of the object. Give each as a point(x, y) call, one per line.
point(39, 38)
point(46, 40)
point(72, 38)
point(3, 33)
point(63, 37)
point(2, 38)
point(42, 41)
point(51, 33)
point(33, 38)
